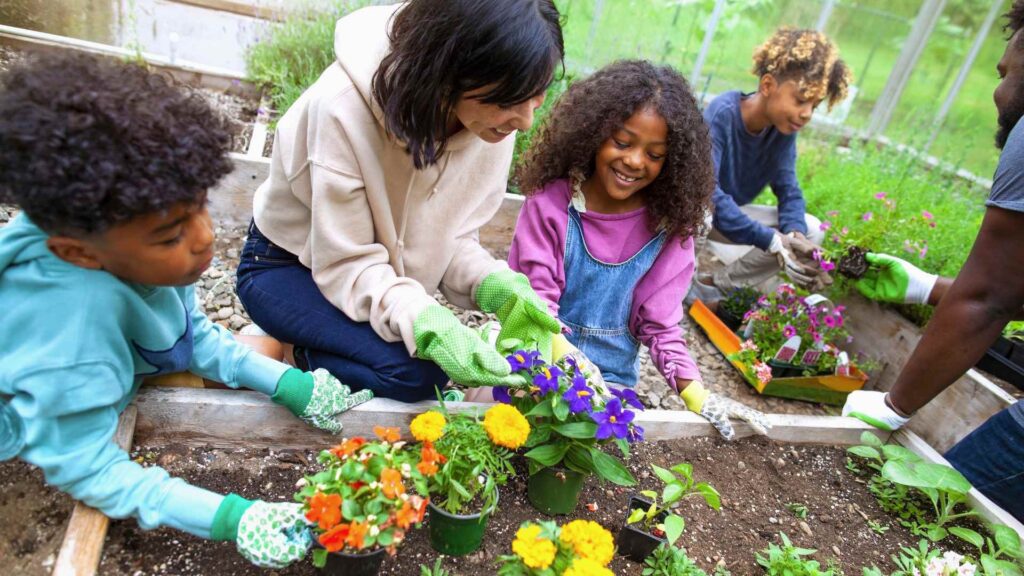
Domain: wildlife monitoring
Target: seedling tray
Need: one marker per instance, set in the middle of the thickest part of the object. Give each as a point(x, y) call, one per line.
point(828, 389)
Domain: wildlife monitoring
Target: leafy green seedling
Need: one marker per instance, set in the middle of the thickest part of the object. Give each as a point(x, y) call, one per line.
point(788, 560)
point(1001, 556)
point(435, 571)
point(798, 510)
point(877, 527)
point(945, 488)
point(667, 560)
point(676, 488)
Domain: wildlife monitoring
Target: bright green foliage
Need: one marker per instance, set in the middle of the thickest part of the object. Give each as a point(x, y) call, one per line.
point(999, 557)
point(798, 510)
point(788, 560)
point(739, 300)
point(877, 527)
point(436, 570)
point(908, 506)
point(296, 53)
point(944, 487)
point(525, 139)
point(667, 560)
point(676, 488)
point(911, 560)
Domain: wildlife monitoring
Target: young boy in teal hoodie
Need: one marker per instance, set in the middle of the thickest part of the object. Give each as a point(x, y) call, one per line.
point(110, 165)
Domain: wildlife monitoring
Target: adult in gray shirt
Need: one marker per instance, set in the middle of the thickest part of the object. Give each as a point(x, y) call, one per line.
point(972, 309)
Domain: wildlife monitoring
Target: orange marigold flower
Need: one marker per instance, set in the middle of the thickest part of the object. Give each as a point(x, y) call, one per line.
point(325, 510)
point(391, 483)
point(334, 539)
point(387, 433)
point(357, 531)
point(348, 447)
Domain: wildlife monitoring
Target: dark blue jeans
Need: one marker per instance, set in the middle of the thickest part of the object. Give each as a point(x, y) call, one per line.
point(992, 459)
point(281, 297)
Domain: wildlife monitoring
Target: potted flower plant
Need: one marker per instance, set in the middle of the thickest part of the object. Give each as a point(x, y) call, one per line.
point(580, 548)
point(359, 504)
point(650, 522)
point(570, 417)
point(462, 468)
point(732, 308)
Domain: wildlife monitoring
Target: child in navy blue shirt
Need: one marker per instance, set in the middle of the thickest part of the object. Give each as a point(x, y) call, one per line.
point(754, 145)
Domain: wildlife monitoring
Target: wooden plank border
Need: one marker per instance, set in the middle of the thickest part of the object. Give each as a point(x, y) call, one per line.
point(191, 73)
point(250, 8)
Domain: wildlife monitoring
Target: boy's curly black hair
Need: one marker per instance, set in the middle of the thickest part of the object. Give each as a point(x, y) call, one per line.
point(591, 110)
point(87, 143)
point(1014, 22)
point(807, 57)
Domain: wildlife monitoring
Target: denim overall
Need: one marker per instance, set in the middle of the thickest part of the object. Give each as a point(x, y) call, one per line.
point(596, 302)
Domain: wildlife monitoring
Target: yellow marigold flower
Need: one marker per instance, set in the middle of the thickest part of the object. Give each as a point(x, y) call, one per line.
point(535, 551)
point(589, 540)
point(505, 426)
point(586, 567)
point(428, 427)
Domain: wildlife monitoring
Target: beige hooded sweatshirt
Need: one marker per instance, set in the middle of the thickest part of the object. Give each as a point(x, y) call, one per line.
point(380, 236)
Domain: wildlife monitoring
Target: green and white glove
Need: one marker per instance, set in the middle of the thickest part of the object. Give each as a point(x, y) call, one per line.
point(890, 279)
point(268, 535)
point(719, 409)
point(872, 408)
point(317, 397)
point(459, 350)
point(521, 312)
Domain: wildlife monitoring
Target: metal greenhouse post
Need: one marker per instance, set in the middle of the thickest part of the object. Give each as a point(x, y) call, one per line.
point(925, 22)
point(824, 15)
point(705, 47)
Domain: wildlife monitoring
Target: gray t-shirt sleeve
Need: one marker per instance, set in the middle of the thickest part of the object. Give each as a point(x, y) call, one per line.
point(1008, 184)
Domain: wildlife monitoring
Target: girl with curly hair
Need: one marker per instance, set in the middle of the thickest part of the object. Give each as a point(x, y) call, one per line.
point(754, 140)
point(617, 185)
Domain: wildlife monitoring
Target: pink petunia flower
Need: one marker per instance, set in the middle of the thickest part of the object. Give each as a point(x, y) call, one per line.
point(880, 195)
point(866, 216)
point(825, 225)
point(927, 215)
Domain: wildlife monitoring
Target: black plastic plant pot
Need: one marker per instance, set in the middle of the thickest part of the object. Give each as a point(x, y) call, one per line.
point(345, 564)
point(457, 534)
point(633, 542)
point(1005, 359)
point(732, 321)
point(785, 369)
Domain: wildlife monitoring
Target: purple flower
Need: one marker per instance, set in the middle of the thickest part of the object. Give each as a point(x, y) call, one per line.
point(783, 309)
point(636, 434)
point(524, 360)
point(827, 266)
point(613, 421)
point(927, 215)
point(880, 195)
point(825, 225)
point(923, 252)
point(579, 395)
point(500, 394)
point(867, 216)
point(628, 397)
point(789, 331)
point(833, 213)
point(830, 321)
point(844, 231)
point(547, 379)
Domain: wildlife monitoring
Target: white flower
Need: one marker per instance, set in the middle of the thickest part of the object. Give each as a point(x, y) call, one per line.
point(481, 479)
point(936, 567)
point(300, 483)
point(374, 530)
point(966, 569)
point(371, 518)
point(915, 571)
point(406, 470)
point(952, 559)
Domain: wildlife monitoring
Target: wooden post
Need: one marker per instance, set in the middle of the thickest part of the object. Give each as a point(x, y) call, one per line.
point(83, 541)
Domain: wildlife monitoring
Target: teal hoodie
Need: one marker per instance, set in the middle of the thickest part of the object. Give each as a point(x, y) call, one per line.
point(76, 345)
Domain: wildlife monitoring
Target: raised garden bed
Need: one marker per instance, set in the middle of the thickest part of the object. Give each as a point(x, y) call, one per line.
point(1005, 359)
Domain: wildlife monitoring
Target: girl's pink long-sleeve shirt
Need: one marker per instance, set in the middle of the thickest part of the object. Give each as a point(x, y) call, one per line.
point(538, 250)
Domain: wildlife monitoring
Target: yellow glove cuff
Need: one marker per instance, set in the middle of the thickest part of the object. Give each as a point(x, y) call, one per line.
point(694, 396)
point(560, 346)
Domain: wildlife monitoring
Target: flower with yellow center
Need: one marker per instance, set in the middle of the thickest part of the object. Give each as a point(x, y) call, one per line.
point(536, 552)
point(589, 540)
point(506, 426)
point(586, 567)
point(428, 427)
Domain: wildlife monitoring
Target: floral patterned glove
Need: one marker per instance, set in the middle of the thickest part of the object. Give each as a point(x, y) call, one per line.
point(522, 314)
point(719, 409)
point(317, 397)
point(268, 535)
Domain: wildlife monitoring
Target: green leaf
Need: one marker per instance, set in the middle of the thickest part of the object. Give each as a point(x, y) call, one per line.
point(894, 452)
point(623, 447)
point(458, 487)
point(989, 564)
point(671, 494)
point(1008, 568)
point(869, 439)
point(665, 475)
point(578, 459)
point(935, 533)
point(926, 475)
point(864, 452)
point(969, 535)
point(579, 430)
point(350, 509)
point(561, 410)
point(711, 495)
point(541, 410)
point(684, 469)
point(635, 516)
point(549, 454)
point(385, 538)
point(538, 435)
point(651, 494)
point(610, 468)
point(674, 526)
point(320, 557)
point(1007, 539)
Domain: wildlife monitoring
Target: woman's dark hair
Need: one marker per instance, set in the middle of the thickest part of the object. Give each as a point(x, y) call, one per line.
point(594, 108)
point(89, 142)
point(441, 49)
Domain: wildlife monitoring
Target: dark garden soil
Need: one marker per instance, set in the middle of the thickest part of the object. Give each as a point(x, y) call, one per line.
point(854, 264)
point(757, 479)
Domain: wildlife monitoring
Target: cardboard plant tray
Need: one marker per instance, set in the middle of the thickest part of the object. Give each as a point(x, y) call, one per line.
point(828, 389)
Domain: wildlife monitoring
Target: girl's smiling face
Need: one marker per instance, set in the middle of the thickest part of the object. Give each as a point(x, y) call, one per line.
point(627, 162)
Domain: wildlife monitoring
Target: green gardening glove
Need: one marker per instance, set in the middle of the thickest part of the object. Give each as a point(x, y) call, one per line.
point(317, 397)
point(890, 279)
point(268, 535)
point(522, 314)
point(463, 355)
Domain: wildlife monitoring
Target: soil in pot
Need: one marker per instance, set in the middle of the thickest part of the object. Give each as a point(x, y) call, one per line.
point(853, 264)
point(633, 540)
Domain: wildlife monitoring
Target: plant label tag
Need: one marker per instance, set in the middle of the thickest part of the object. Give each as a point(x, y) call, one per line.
point(843, 364)
point(748, 330)
point(810, 357)
point(815, 299)
point(788, 350)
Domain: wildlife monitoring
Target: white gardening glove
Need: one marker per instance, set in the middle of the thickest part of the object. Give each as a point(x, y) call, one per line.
point(790, 250)
point(871, 408)
point(719, 409)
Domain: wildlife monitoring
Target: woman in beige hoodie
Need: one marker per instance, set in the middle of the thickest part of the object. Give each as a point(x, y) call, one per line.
point(382, 173)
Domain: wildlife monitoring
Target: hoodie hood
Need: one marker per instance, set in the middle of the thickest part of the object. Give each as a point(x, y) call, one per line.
point(360, 43)
point(22, 241)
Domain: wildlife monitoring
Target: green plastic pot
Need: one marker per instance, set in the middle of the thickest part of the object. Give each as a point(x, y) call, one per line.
point(555, 490)
point(457, 534)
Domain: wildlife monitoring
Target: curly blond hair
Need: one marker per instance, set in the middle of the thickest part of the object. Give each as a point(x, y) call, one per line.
point(807, 57)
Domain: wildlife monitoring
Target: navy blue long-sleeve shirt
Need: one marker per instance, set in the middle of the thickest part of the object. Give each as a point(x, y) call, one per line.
point(744, 164)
